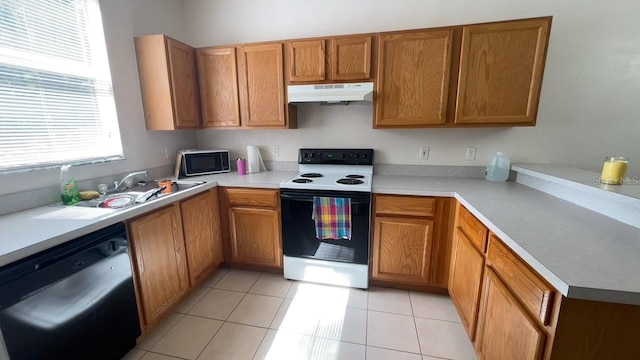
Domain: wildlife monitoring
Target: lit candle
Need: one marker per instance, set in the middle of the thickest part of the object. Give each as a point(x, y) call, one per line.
point(614, 170)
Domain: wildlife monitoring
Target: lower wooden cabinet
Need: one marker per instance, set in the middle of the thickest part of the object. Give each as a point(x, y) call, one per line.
point(410, 242)
point(201, 225)
point(466, 278)
point(251, 227)
point(160, 264)
point(401, 249)
point(505, 329)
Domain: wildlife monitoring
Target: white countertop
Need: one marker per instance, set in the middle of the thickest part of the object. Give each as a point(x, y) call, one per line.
point(581, 253)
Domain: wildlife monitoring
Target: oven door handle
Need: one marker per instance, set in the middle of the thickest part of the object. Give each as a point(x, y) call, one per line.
point(354, 200)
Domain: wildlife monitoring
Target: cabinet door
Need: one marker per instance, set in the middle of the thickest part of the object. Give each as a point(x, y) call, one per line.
point(261, 84)
point(201, 226)
point(306, 60)
point(155, 86)
point(505, 329)
point(466, 279)
point(401, 249)
point(255, 236)
point(413, 78)
point(501, 70)
point(184, 85)
point(351, 58)
point(219, 87)
point(161, 267)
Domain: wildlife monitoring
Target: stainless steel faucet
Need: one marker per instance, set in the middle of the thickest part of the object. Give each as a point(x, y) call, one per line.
point(119, 185)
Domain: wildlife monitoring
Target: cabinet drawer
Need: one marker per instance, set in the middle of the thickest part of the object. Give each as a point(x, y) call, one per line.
point(405, 205)
point(473, 228)
point(252, 197)
point(536, 295)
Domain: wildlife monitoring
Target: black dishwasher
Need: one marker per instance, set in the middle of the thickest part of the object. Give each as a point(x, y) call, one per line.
point(74, 301)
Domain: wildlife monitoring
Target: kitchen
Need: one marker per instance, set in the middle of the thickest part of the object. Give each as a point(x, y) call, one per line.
point(570, 102)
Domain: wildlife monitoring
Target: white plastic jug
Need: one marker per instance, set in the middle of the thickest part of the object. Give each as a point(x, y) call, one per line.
point(498, 168)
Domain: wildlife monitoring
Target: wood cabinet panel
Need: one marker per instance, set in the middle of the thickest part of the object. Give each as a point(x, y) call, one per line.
point(155, 86)
point(350, 58)
point(501, 71)
point(413, 78)
point(306, 60)
point(184, 81)
point(255, 236)
point(534, 293)
point(466, 279)
point(401, 249)
point(252, 197)
point(201, 225)
point(219, 87)
point(473, 228)
point(506, 330)
point(405, 205)
point(159, 260)
point(261, 85)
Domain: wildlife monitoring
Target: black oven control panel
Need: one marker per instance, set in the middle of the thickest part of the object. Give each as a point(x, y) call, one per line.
point(336, 156)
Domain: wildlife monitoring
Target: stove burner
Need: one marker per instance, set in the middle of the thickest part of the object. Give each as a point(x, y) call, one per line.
point(302, 181)
point(350, 181)
point(355, 176)
point(311, 175)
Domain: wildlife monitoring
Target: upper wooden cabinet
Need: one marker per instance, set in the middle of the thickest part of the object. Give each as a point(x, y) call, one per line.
point(219, 86)
point(350, 58)
point(168, 83)
point(261, 86)
point(501, 69)
point(413, 78)
point(336, 59)
point(306, 60)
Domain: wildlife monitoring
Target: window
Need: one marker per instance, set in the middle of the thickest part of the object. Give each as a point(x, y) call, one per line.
point(56, 98)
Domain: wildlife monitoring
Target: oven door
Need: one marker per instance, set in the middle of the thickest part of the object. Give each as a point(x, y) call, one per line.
point(298, 228)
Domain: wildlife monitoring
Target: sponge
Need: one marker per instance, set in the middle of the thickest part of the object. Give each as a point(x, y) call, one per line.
point(88, 195)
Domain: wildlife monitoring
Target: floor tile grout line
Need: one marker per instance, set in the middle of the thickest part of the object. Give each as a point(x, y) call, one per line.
point(166, 332)
point(415, 325)
point(224, 321)
point(402, 351)
point(159, 353)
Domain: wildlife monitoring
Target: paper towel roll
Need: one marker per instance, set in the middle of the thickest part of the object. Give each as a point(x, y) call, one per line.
point(254, 160)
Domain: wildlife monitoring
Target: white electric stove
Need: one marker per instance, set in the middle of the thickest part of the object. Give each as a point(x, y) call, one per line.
point(337, 173)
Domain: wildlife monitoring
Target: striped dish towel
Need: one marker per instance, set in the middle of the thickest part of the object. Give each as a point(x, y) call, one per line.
point(332, 217)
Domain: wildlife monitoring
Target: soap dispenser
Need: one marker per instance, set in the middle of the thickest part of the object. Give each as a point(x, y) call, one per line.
point(69, 191)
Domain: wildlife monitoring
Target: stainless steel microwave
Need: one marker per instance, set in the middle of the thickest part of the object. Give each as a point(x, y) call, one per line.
point(201, 162)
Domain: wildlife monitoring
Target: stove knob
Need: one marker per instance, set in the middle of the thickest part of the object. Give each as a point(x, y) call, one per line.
point(313, 155)
point(364, 156)
point(357, 156)
point(344, 155)
point(305, 155)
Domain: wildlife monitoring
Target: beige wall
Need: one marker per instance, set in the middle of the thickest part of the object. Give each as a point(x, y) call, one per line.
point(122, 20)
point(590, 101)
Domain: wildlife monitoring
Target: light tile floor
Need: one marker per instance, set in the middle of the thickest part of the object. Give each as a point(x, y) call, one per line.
point(239, 314)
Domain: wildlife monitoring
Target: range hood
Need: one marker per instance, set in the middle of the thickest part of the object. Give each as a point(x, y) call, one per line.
point(330, 93)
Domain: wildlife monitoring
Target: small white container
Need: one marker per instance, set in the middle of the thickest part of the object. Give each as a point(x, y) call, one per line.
point(498, 168)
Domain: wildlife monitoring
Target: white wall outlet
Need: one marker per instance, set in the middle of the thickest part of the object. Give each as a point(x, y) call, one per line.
point(275, 150)
point(471, 153)
point(424, 153)
point(168, 153)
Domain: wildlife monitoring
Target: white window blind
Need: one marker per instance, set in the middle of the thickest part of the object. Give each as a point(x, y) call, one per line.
point(56, 98)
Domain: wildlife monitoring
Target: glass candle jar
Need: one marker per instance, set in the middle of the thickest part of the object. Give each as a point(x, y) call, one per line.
point(614, 170)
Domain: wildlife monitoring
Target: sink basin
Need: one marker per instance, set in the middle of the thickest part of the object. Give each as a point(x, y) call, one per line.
point(134, 196)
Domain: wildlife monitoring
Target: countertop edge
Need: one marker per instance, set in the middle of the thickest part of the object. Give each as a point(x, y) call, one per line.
point(123, 215)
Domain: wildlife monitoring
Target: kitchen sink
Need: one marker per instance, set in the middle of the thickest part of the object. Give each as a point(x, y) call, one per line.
point(139, 194)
